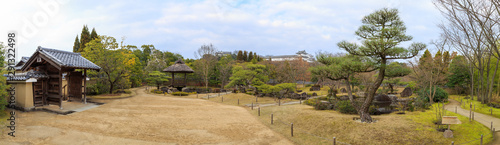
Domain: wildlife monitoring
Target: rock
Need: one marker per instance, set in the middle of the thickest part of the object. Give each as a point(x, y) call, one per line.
point(315, 88)
point(314, 94)
point(346, 97)
point(407, 92)
point(448, 134)
point(382, 100)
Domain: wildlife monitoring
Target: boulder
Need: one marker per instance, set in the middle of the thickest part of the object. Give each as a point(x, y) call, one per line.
point(314, 94)
point(407, 92)
point(315, 88)
point(382, 100)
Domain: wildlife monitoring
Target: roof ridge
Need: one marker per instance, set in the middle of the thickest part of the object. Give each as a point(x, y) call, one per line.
point(56, 50)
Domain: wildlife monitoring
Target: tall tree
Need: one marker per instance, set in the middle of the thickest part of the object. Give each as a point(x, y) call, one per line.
point(116, 62)
point(239, 57)
point(381, 33)
point(76, 44)
point(93, 34)
point(224, 66)
point(245, 56)
point(250, 56)
point(84, 38)
point(472, 28)
point(459, 76)
point(206, 62)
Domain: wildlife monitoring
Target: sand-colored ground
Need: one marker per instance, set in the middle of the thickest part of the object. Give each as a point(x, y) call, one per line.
point(145, 119)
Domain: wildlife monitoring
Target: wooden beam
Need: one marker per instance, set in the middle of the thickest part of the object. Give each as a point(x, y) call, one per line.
point(85, 86)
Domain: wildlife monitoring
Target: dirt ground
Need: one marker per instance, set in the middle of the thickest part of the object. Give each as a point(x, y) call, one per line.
point(145, 119)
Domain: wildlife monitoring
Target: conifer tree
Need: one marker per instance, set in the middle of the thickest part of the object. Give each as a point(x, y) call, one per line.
point(84, 38)
point(76, 45)
point(239, 56)
point(93, 35)
point(245, 56)
point(250, 56)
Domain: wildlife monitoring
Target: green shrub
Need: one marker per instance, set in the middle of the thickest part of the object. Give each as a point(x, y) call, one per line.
point(440, 94)
point(128, 92)
point(310, 102)
point(249, 93)
point(180, 93)
point(346, 107)
point(309, 85)
point(321, 105)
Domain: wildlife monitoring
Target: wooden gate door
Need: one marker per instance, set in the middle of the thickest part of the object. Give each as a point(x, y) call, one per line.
point(75, 86)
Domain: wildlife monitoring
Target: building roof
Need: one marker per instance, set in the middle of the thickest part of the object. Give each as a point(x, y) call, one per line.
point(179, 67)
point(26, 75)
point(63, 59)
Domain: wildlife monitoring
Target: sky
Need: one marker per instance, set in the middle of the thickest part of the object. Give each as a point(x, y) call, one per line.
point(267, 27)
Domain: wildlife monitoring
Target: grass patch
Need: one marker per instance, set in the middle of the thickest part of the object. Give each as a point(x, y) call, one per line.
point(319, 127)
point(481, 108)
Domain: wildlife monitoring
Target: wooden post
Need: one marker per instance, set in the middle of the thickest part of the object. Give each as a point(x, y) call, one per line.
point(85, 86)
point(256, 100)
point(470, 112)
point(259, 111)
point(291, 129)
point(491, 110)
point(491, 128)
point(238, 101)
point(300, 102)
point(222, 98)
point(279, 102)
point(481, 139)
point(334, 140)
point(60, 89)
point(272, 118)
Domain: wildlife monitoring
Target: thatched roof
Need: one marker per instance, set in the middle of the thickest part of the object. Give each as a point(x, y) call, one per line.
point(179, 67)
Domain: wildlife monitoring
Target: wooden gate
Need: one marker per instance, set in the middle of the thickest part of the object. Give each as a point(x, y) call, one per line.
point(75, 86)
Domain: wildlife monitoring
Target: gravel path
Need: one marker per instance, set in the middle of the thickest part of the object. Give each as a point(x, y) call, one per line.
point(145, 119)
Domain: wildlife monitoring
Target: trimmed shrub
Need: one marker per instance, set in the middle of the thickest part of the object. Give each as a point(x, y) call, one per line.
point(180, 93)
point(440, 94)
point(322, 105)
point(346, 107)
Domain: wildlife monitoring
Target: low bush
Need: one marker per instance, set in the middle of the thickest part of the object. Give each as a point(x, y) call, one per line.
point(346, 107)
point(180, 93)
point(309, 85)
point(319, 105)
point(440, 94)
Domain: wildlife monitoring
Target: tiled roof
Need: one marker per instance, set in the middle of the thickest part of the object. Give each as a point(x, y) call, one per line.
point(26, 75)
point(67, 59)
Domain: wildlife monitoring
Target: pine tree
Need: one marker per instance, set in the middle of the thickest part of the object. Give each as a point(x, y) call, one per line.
point(84, 38)
point(250, 56)
point(245, 56)
point(93, 35)
point(239, 56)
point(256, 56)
point(76, 45)
point(438, 59)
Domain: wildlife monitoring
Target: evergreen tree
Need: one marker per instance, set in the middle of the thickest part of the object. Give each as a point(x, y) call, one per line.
point(250, 56)
point(256, 56)
point(76, 45)
point(84, 38)
point(380, 34)
point(425, 59)
point(245, 56)
point(93, 35)
point(239, 56)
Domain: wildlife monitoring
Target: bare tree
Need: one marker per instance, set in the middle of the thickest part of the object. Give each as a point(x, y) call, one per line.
point(473, 29)
point(207, 61)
